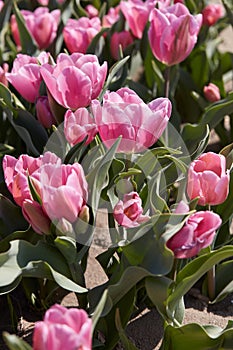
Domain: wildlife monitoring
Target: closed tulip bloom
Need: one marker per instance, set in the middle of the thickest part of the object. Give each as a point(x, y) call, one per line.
point(78, 33)
point(173, 33)
point(78, 125)
point(212, 13)
point(123, 39)
point(124, 114)
point(44, 113)
point(212, 92)
point(197, 233)
point(128, 212)
point(75, 80)
point(63, 328)
point(137, 13)
point(36, 216)
point(208, 179)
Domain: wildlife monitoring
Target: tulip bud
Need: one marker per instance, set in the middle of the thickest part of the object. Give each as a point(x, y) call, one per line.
point(35, 215)
point(212, 13)
point(212, 92)
point(43, 112)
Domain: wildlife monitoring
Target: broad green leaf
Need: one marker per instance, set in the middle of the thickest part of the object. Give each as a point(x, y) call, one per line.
point(128, 345)
point(15, 343)
point(67, 246)
point(5, 13)
point(196, 138)
point(6, 97)
point(223, 280)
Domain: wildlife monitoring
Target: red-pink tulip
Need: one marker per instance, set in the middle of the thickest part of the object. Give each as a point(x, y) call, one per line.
point(173, 33)
point(78, 33)
point(137, 13)
point(208, 179)
point(78, 125)
point(124, 114)
point(128, 212)
point(212, 92)
point(75, 80)
point(41, 24)
point(63, 328)
point(43, 112)
point(212, 13)
point(123, 39)
point(111, 17)
point(197, 233)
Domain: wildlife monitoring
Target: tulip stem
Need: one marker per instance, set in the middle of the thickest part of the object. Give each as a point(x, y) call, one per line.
point(211, 282)
point(167, 81)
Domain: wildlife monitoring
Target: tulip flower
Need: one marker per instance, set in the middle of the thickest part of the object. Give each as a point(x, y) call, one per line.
point(78, 125)
point(173, 33)
point(124, 114)
point(91, 11)
point(128, 212)
point(212, 92)
point(43, 112)
point(75, 80)
point(41, 24)
point(137, 13)
point(78, 33)
point(1, 4)
point(63, 328)
point(212, 13)
point(208, 179)
point(197, 233)
point(123, 39)
point(3, 71)
point(111, 17)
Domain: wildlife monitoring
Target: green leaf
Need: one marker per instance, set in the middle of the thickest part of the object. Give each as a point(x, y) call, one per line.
point(93, 47)
point(6, 97)
point(223, 280)
point(196, 138)
point(15, 343)
point(5, 13)
point(128, 345)
point(228, 11)
point(98, 310)
point(67, 246)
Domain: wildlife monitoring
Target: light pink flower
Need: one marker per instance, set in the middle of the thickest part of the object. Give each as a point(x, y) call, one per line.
point(78, 125)
point(43, 2)
point(212, 13)
point(41, 23)
point(123, 39)
point(173, 33)
point(208, 179)
point(78, 33)
point(91, 11)
point(128, 212)
point(124, 114)
point(111, 17)
point(1, 4)
point(75, 80)
point(212, 92)
point(197, 233)
point(43, 112)
point(63, 328)
point(137, 13)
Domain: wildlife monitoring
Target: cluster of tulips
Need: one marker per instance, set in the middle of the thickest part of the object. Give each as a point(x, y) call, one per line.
point(118, 145)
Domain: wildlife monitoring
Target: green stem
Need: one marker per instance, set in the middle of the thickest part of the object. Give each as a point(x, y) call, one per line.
point(211, 277)
point(166, 93)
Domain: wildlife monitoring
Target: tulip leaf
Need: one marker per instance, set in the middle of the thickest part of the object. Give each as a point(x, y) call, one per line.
point(93, 47)
point(196, 138)
point(15, 343)
point(6, 97)
point(5, 13)
point(228, 11)
point(223, 281)
point(128, 345)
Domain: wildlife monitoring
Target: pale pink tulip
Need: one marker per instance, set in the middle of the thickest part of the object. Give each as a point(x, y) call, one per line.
point(123, 39)
point(43, 112)
point(25, 77)
point(208, 179)
point(128, 212)
point(173, 33)
point(78, 125)
point(41, 24)
point(3, 71)
point(197, 233)
point(78, 33)
point(75, 80)
point(137, 13)
point(212, 92)
point(124, 114)
point(111, 17)
point(91, 11)
point(212, 13)
point(63, 328)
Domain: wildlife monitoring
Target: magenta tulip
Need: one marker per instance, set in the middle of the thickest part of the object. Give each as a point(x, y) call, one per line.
point(78, 33)
point(173, 33)
point(197, 233)
point(44, 113)
point(78, 125)
point(212, 13)
point(128, 212)
point(63, 328)
point(75, 80)
point(212, 92)
point(120, 39)
point(124, 114)
point(137, 13)
point(208, 179)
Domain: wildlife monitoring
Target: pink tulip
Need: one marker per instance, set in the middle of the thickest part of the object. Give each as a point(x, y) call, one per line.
point(91, 11)
point(173, 33)
point(3, 71)
point(35, 215)
point(43, 112)
point(212, 92)
point(111, 17)
point(41, 24)
point(137, 13)
point(212, 13)
point(1, 4)
point(125, 114)
point(78, 33)
point(78, 125)
point(123, 39)
point(25, 76)
point(197, 233)
point(75, 80)
point(128, 212)
point(43, 2)
point(208, 179)
point(63, 328)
